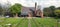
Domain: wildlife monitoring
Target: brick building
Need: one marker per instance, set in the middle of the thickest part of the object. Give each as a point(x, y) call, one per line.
point(31, 11)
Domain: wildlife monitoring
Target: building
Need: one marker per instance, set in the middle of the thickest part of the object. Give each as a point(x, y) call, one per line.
point(31, 11)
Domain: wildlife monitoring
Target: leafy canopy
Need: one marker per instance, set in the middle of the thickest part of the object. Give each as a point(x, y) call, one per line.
point(16, 8)
point(57, 12)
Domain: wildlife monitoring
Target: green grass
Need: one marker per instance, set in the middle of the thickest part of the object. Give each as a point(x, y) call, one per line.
point(46, 22)
point(58, 22)
point(23, 22)
point(15, 22)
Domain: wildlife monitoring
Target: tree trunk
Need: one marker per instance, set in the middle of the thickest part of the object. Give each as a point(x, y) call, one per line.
point(16, 15)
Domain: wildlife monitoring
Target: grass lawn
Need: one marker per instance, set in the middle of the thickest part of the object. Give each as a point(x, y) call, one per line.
point(15, 22)
point(46, 22)
point(23, 22)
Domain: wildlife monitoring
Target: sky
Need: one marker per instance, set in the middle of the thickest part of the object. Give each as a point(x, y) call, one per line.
point(30, 3)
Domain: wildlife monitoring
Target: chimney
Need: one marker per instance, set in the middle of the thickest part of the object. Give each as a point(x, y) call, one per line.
point(35, 8)
point(35, 5)
point(41, 13)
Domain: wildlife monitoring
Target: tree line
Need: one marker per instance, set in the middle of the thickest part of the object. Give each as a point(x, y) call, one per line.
point(52, 11)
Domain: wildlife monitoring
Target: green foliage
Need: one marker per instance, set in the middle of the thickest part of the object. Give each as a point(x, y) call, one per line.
point(52, 8)
point(16, 8)
point(2, 10)
point(57, 12)
point(58, 8)
point(49, 11)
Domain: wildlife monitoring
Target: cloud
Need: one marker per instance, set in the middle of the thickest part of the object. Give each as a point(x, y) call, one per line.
point(47, 3)
point(30, 3)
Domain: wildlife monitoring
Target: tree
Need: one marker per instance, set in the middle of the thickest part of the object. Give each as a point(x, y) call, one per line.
point(15, 9)
point(0, 9)
point(52, 10)
point(58, 7)
point(47, 11)
point(57, 12)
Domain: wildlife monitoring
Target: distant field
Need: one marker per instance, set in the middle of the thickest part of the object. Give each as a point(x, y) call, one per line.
point(23, 22)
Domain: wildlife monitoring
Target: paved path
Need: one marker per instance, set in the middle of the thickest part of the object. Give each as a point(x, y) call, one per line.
point(29, 23)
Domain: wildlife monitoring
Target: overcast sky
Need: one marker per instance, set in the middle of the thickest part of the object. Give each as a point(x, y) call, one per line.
point(30, 3)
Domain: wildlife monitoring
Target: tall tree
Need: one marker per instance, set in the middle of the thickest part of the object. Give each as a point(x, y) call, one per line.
point(0, 9)
point(47, 11)
point(52, 9)
point(15, 9)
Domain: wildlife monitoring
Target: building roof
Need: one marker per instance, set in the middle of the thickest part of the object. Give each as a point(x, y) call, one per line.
point(25, 10)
